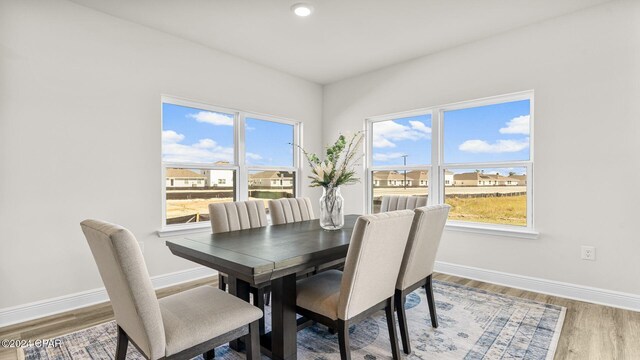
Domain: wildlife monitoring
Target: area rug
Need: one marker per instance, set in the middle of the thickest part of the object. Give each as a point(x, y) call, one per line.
point(473, 324)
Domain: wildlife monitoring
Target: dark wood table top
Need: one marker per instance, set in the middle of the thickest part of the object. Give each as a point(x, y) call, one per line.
point(261, 254)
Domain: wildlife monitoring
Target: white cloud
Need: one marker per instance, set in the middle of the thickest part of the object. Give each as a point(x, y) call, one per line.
point(518, 125)
point(386, 132)
point(170, 136)
point(381, 142)
point(204, 151)
point(386, 157)
point(257, 159)
point(212, 118)
point(500, 146)
point(420, 126)
point(205, 144)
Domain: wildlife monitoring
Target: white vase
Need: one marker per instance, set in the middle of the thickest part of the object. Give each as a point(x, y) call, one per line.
point(331, 209)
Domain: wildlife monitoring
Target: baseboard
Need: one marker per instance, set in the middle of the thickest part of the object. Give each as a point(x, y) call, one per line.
point(570, 291)
point(39, 309)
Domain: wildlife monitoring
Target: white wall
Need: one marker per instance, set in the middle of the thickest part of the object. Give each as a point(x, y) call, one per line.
point(80, 134)
point(80, 106)
point(585, 70)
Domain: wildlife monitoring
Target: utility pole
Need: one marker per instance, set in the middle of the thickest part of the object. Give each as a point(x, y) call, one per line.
point(404, 162)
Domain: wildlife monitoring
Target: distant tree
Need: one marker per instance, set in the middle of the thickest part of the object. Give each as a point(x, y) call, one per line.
point(511, 173)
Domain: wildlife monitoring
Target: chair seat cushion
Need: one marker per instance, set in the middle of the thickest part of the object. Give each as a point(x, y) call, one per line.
point(201, 314)
point(320, 293)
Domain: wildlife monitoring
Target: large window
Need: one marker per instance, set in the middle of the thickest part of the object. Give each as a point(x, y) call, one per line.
point(211, 154)
point(401, 157)
point(270, 159)
point(475, 156)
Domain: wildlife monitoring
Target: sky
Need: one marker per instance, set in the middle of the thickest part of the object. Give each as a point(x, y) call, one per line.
point(270, 141)
point(489, 133)
point(492, 133)
point(409, 136)
point(200, 136)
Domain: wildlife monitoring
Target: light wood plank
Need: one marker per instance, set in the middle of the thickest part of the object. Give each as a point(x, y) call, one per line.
point(590, 331)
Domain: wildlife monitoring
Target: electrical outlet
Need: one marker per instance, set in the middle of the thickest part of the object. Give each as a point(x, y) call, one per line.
point(141, 244)
point(588, 253)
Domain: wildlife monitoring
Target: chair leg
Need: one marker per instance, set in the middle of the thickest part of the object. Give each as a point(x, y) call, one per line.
point(222, 285)
point(432, 304)
point(252, 341)
point(391, 324)
point(402, 321)
point(122, 344)
point(209, 355)
point(343, 340)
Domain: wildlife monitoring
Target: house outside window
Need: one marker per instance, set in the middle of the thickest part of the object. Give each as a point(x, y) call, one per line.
point(476, 156)
point(211, 154)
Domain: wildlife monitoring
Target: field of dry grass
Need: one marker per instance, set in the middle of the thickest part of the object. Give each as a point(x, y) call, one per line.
point(510, 210)
point(178, 208)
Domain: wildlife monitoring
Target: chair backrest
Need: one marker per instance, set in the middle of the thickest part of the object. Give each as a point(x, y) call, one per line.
point(289, 210)
point(424, 239)
point(399, 202)
point(239, 215)
point(373, 261)
point(124, 273)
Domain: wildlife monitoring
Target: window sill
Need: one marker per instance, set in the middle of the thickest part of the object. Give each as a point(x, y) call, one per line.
point(493, 230)
point(460, 227)
point(184, 229)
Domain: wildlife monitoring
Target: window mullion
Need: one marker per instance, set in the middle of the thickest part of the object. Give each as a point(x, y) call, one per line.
point(242, 183)
point(530, 195)
point(297, 158)
point(436, 190)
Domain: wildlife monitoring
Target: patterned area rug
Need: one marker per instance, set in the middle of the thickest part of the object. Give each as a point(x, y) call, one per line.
point(473, 324)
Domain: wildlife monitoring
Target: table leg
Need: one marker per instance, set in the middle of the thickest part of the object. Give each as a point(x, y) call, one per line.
point(240, 289)
point(283, 318)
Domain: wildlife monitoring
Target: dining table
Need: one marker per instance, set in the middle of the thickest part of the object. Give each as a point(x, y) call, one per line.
point(271, 256)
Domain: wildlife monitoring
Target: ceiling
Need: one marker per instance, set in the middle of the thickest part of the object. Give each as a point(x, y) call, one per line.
point(342, 38)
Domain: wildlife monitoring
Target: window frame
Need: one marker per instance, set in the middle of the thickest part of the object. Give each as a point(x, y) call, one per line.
point(437, 167)
point(368, 163)
point(241, 183)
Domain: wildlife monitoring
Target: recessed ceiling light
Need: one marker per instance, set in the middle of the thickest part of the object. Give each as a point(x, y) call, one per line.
point(302, 9)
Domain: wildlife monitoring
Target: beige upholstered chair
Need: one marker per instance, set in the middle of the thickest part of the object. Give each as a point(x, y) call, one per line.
point(234, 216)
point(338, 299)
point(399, 202)
point(179, 326)
point(239, 215)
point(418, 261)
point(289, 210)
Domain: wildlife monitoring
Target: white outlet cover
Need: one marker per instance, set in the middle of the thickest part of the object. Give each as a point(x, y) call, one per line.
point(588, 253)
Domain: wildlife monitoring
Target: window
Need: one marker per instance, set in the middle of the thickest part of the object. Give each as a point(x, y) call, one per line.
point(400, 157)
point(479, 159)
point(270, 159)
point(211, 154)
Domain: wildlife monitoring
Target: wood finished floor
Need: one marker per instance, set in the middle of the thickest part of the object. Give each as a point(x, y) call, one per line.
point(589, 332)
